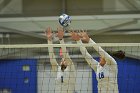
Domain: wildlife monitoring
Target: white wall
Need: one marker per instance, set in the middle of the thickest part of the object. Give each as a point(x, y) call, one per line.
point(120, 6)
point(108, 5)
point(83, 80)
point(13, 7)
point(116, 5)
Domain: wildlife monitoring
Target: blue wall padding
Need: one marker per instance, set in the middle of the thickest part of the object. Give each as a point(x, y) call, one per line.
point(128, 76)
point(12, 76)
point(94, 82)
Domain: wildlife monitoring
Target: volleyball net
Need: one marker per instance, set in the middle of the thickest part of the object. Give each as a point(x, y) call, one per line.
point(38, 77)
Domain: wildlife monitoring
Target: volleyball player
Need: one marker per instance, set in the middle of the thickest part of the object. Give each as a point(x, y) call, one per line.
point(106, 69)
point(65, 78)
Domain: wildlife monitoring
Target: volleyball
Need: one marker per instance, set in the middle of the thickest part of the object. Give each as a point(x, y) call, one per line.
point(64, 20)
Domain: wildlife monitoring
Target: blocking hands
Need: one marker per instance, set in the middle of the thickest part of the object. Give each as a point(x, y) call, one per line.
point(48, 33)
point(75, 36)
point(60, 33)
point(80, 35)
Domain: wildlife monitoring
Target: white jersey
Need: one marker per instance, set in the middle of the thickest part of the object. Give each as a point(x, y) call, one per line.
point(67, 84)
point(107, 78)
point(106, 75)
point(61, 74)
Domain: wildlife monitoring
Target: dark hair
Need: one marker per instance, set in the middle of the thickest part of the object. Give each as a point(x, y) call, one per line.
point(63, 67)
point(118, 54)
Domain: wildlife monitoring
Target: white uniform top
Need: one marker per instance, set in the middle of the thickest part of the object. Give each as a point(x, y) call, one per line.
point(64, 74)
point(107, 79)
point(106, 75)
point(68, 84)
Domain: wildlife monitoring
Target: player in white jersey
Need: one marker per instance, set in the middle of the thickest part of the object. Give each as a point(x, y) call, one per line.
point(106, 69)
point(65, 72)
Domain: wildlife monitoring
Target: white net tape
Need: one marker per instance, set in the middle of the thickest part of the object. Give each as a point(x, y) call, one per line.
point(67, 45)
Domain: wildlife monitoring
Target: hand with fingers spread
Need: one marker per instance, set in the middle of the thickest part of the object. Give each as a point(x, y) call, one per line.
point(84, 37)
point(48, 33)
point(60, 33)
point(75, 36)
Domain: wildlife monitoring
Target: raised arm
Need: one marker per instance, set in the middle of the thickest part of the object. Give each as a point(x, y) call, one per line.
point(53, 61)
point(65, 54)
point(91, 62)
point(103, 53)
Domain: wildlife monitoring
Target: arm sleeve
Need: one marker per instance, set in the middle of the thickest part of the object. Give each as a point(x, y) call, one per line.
point(67, 56)
point(91, 62)
point(52, 55)
point(103, 53)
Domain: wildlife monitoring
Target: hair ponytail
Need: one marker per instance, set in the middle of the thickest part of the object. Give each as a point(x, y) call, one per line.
point(118, 54)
